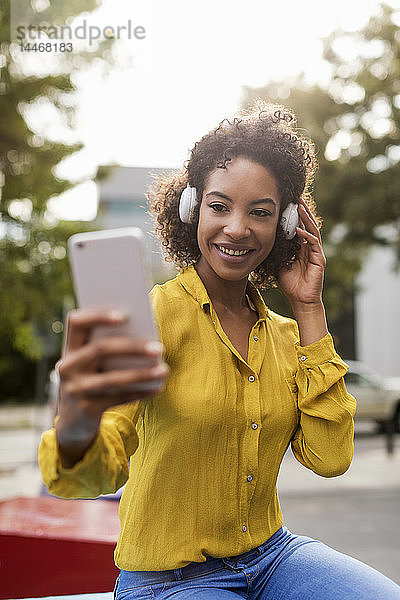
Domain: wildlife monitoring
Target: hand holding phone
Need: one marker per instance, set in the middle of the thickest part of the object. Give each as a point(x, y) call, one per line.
point(110, 353)
point(85, 393)
point(109, 273)
point(138, 371)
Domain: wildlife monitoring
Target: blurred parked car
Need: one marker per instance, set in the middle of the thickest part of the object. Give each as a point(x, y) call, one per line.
point(378, 398)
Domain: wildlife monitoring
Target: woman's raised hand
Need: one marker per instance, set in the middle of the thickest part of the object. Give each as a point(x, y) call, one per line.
point(303, 282)
point(86, 390)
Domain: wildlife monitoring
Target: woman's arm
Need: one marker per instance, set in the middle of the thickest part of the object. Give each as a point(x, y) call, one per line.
point(311, 321)
point(86, 450)
point(103, 468)
point(323, 441)
point(302, 284)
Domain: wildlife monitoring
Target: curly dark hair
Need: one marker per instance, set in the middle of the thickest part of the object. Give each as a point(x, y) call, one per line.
point(266, 134)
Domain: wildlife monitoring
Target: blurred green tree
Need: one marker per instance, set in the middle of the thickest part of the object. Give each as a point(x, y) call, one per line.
point(354, 123)
point(33, 264)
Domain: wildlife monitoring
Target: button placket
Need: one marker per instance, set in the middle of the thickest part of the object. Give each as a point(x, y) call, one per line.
point(250, 454)
point(256, 347)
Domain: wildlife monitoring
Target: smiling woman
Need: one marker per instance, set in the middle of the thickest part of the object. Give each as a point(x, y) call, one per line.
point(200, 514)
point(266, 136)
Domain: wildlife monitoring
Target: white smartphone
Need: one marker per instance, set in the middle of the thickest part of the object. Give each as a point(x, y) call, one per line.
point(109, 272)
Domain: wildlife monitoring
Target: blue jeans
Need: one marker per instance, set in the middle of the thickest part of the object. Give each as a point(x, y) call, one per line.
point(285, 567)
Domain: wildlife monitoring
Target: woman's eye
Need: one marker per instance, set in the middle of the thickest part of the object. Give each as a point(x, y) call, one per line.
point(258, 212)
point(261, 213)
point(217, 207)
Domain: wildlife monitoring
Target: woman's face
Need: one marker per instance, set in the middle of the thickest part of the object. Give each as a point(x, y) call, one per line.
point(239, 211)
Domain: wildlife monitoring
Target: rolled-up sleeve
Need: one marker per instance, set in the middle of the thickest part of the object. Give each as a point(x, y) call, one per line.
point(323, 441)
point(103, 469)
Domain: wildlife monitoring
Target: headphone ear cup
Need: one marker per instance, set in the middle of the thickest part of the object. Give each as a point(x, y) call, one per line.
point(290, 220)
point(187, 204)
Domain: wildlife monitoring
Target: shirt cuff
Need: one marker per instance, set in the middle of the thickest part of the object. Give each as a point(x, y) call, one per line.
point(60, 480)
point(317, 353)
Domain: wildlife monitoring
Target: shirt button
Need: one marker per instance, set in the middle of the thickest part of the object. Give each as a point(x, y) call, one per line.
point(249, 477)
point(255, 338)
point(254, 426)
point(251, 378)
point(244, 528)
point(303, 357)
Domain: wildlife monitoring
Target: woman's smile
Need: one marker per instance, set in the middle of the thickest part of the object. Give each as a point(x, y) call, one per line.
point(232, 255)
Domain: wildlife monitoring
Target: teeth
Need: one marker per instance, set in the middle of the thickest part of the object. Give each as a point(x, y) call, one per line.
point(233, 252)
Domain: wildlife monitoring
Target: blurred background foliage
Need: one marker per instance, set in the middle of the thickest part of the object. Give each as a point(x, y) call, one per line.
point(354, 122)
point(35, 281)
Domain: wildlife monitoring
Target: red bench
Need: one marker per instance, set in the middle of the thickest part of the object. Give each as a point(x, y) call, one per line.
point(50, 546)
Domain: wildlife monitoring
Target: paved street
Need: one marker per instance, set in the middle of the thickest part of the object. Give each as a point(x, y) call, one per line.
point(357, 513)
point(362, 523)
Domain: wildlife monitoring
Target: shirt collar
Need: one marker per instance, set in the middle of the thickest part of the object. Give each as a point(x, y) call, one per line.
point(193, 284)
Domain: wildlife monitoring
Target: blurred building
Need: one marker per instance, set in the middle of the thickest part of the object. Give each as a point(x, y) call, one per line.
point(122, 203)
point(377, 313)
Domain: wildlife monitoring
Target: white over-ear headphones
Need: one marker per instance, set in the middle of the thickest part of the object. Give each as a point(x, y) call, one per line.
point(290, 220)
point(188, 202)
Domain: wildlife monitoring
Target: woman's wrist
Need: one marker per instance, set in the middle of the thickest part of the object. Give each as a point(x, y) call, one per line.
point(311, 320)
point(75, 433)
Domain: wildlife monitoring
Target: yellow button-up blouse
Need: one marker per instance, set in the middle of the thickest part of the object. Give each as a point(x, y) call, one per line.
point(205, 453)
